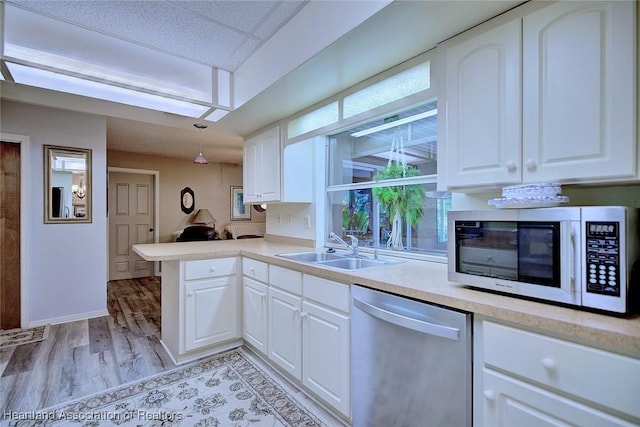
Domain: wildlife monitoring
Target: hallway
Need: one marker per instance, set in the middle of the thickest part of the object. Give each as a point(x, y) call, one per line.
point(84, 357)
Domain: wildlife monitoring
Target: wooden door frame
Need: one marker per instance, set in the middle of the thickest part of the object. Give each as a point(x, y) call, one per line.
point(156, 206)
point(25, 193)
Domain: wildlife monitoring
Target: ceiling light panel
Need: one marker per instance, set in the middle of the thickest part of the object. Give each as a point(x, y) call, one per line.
point(63, 83)
point(216, 115)
point(88, 51)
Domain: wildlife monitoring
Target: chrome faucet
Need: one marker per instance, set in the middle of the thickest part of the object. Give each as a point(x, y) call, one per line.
point(353, 247)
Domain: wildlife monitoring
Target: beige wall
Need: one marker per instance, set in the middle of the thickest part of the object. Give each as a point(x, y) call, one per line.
point(210, 183)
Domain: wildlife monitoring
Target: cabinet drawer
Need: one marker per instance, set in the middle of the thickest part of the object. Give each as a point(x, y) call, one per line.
point(286, 279)
point(606, 378)
point(327, 292)
point(206, 268)
point(257, 270)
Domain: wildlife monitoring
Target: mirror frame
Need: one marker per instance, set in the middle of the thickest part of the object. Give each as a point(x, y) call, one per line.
point(187, 200)
point(48, 217)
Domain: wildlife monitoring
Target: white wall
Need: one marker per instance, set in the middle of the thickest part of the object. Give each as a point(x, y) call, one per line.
point(67, 262)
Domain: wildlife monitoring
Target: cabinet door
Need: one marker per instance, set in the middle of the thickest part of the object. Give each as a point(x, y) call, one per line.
point(510, 402)
point(484, 108)
point(254, 313)
point(285, 348)
point(579, 97)
point(269, 184)
point(326, 354)
point(261, 167)
point(251, 169)
point(211, 312)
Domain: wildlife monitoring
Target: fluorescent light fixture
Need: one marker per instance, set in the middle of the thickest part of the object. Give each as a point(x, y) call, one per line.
point(108, 75)
point(400, 122)
point(70, 58)
point(217, 115)
point(64, 83)
point(77, 51)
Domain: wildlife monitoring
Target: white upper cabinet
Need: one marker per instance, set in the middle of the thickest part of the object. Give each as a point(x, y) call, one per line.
point(483, 111)
point(275, 174)
point(579, 99)
point(566, 115)
point(261, 170)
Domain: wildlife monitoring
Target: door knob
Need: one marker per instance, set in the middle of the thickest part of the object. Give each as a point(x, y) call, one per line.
point(151, 230)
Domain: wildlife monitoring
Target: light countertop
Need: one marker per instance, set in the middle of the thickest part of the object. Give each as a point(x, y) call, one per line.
point(426, 281)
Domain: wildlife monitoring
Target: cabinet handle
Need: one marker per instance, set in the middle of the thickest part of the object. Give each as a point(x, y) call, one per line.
point(511, 166)
point(549, 364)
point(530, 164)
point(253, 271)
point(212, 269)
point(303, 315)
point(489, 395)
point(189, 294)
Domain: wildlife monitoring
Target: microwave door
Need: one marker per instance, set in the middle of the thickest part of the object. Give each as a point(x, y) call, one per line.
point(549, 261)
point(539, 253)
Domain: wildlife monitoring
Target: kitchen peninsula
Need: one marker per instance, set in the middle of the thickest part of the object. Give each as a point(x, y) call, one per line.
point(217, 295)
point(609, 332)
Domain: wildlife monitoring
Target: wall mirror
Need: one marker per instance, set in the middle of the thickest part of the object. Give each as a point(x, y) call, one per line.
point(67, 184)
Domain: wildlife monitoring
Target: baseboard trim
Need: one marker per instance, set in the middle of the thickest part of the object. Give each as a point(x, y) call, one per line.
point(70, 318)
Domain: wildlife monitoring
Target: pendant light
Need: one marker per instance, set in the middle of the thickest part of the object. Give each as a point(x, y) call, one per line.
point(200, 159)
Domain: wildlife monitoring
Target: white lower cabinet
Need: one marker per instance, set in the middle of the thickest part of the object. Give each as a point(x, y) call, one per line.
point(254, 303)
point(526, 379)
point(200, 307)
point(309, 334)
point(210, 312)
point(254, 314)
point(325, 350)
point(285, 331)
point(510, 402)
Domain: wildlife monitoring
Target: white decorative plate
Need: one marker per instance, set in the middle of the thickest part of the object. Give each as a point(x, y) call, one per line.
point(528, 202)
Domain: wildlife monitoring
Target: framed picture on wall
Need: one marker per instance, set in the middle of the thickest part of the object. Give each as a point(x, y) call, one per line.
point(239, 212)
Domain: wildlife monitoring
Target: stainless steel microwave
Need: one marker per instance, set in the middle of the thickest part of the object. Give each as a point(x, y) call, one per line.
point(581, 256)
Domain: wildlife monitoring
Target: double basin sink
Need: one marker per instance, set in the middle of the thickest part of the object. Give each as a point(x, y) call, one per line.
point(338, 260)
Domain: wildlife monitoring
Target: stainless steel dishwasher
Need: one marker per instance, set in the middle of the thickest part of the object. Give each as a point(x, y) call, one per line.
point(410, 362)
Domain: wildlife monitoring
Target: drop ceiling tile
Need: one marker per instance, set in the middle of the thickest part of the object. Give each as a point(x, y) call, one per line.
point(217, 33)
point(233, 61)
point(280, 16)
point(241, 15)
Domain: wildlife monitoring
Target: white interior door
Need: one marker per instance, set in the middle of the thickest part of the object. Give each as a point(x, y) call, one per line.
point(131, 219)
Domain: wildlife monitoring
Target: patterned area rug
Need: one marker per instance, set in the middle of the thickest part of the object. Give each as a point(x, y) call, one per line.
point(13, 337)
point(223, 390)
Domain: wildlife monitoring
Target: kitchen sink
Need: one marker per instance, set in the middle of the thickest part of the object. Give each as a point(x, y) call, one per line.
point(352, 263)
point(313, 256)
point(337, 260)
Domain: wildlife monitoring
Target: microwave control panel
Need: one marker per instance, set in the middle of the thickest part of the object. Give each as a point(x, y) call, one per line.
point(603, 258)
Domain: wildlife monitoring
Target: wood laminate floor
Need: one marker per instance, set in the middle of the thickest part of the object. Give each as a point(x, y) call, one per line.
point(88, 356)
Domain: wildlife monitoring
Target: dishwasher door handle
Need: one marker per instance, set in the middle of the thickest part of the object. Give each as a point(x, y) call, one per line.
point(408, 322)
